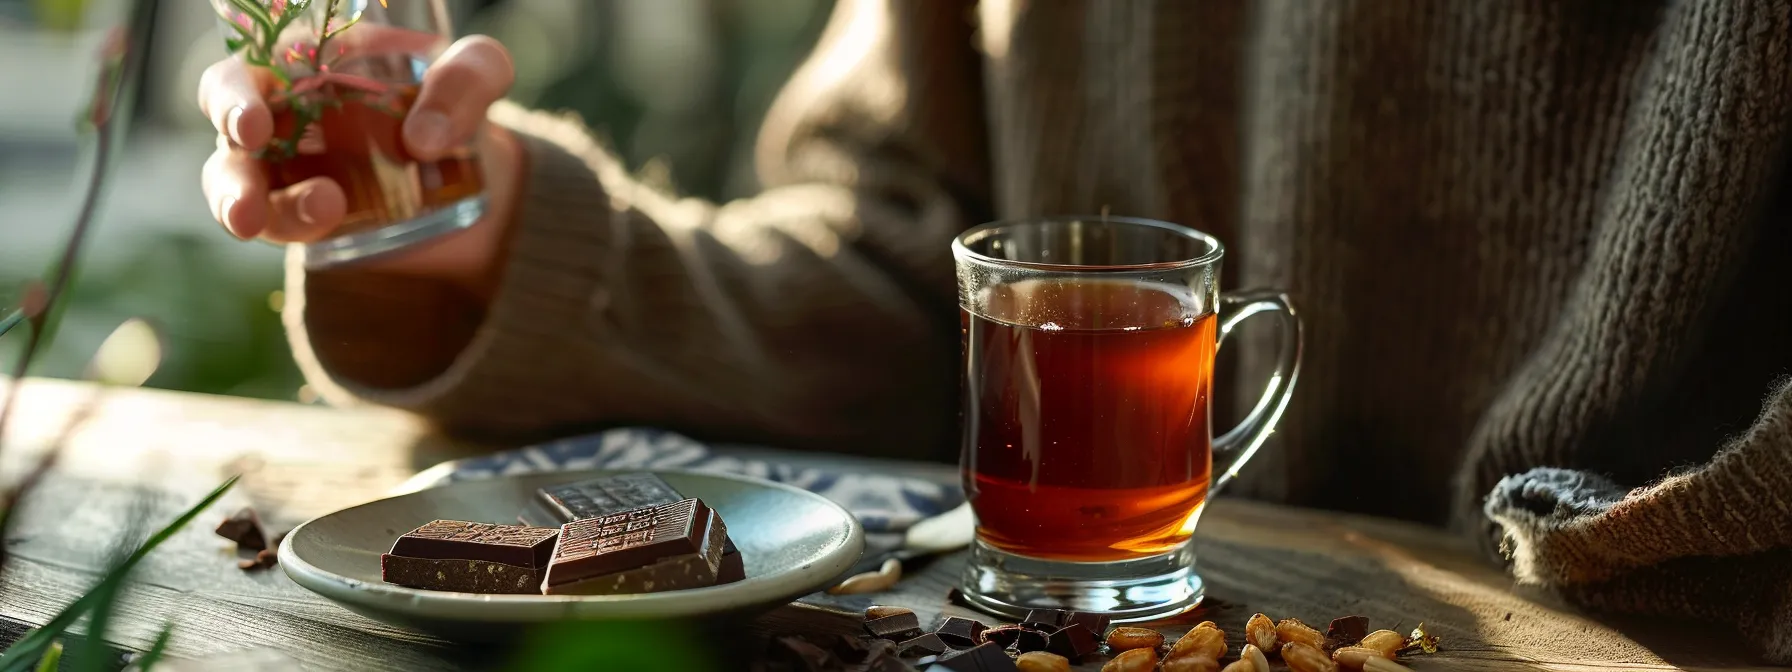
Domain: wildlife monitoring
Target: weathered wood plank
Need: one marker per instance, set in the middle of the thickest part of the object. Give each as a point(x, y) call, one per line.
point(305, 461)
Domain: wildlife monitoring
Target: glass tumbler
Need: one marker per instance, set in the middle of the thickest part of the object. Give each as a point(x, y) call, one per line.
point(342, 75)
point(1088, 356)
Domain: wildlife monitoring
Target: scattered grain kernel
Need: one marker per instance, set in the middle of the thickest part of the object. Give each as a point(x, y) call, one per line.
point(1127, 638)
point(1204, 641)
point(1041, 661)
point(1258, 661)
point(1292, 630)
point(1352, 657)
point(1302, 657)
point(1387, 642)
point(1135, 660)
point(1261, 632)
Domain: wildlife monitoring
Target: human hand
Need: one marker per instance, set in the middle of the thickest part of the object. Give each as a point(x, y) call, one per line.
point(448, 114)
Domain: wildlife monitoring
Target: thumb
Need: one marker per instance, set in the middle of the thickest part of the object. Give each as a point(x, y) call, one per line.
point(457, 90)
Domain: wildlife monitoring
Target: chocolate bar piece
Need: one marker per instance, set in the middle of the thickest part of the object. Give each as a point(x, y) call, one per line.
point(982, 658)
point(597, 497)
point(926, 645)
point(470, 557)
point(1095, 621)
point(960, 633)
point(649, 549)
point(1045, 619)
point(896, 627)
point(1029, 640)
point(1072, 641)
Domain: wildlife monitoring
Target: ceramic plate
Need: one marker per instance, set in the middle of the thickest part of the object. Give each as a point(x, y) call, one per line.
point(793, 542)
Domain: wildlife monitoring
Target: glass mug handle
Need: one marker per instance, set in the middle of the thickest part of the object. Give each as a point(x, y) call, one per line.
point(1238, 445)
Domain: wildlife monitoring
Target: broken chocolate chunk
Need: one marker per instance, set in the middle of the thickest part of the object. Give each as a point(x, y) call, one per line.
point(244, 528)
point(926, 645)
point(981, 658)
point(960, 633)
point(263, 560)
point(1045, 619)
point(1028, 641)
point(1072, 641)
point(896, 627)
point(469, 557)
point(654, 548)
point(880, 611)
point(1095, 621)
point(1346, 631)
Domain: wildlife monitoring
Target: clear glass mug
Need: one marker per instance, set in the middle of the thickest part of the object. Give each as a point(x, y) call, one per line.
point(344, 74)
point(1088, 353)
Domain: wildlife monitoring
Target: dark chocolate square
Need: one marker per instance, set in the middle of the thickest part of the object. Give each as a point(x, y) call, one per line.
point(1045, 619)
point(960, 633)
point(896, 628)
point(681, 547)
point(598, 497)
point(1095, 621)
point(461, 540)
point(1029, 640)
point(1072, 641)
point(926, 645)
point(469, 557)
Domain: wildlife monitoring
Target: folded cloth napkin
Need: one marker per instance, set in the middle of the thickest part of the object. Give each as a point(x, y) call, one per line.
point(885, 505)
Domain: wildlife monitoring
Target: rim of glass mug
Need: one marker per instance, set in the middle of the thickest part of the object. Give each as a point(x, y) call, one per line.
point(963, 242)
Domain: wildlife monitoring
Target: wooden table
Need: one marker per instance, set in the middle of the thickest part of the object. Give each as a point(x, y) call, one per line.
point(148, 453)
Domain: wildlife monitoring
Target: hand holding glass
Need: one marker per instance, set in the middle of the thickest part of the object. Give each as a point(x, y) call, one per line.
point(344, 73)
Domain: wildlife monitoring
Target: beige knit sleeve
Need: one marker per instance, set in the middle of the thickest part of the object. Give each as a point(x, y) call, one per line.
point(818, 313)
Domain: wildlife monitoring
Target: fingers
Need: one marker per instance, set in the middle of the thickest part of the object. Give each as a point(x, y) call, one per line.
point(230, 94)
point(457, 90)
point(306, 212)
point(237, 192)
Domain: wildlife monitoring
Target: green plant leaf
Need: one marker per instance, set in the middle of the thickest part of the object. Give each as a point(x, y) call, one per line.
point(149, 658)
point(52, 659)
point(23, 653)
point(15, 319)
point(256, 13)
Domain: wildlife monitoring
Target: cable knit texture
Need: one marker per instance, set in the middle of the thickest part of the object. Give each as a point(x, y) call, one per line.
point(1539, 245)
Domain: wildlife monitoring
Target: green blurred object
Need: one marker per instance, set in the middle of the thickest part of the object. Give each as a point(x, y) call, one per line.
point(579, 646)
point(28, 651)
point(60, 15)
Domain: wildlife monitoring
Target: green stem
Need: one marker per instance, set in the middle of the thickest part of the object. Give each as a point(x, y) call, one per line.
point(256, 13)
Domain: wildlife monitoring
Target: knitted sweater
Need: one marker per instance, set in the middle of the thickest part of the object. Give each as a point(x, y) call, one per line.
point(1538, 246)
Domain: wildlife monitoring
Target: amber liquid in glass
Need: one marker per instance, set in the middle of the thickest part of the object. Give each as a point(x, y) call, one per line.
point(359, 145)
point(1086, 417)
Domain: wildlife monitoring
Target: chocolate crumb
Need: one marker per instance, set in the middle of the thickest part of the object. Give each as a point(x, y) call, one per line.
point(244, 528)
point(263, 560)
point(1346, 631)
